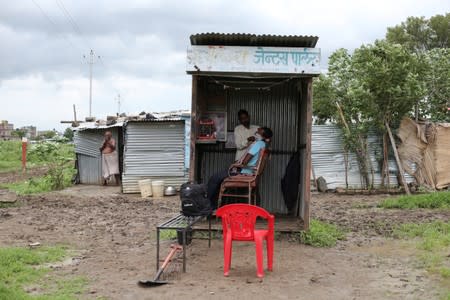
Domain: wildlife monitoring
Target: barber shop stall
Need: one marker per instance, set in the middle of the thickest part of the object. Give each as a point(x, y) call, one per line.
point(270, 77)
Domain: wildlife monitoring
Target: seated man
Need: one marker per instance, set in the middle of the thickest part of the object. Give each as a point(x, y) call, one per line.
point(249, 159)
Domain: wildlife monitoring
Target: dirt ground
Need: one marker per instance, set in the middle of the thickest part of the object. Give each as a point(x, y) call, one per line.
point(113, 236)
point(11, 177)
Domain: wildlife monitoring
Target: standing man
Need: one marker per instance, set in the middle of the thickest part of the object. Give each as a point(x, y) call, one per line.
point(244, 134)
point(110, 159)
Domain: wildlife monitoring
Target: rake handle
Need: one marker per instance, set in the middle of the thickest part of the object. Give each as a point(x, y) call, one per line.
point(166, 261)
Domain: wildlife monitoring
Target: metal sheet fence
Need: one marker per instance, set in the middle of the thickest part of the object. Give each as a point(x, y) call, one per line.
point(89, 169)
point(154, 150)
point(328, 159)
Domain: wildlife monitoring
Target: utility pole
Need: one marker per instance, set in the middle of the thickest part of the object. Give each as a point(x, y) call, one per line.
point(74, 114)
point(118, 104)
point(90, 62)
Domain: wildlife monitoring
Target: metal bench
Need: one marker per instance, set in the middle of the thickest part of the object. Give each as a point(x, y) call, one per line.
point(184, 224)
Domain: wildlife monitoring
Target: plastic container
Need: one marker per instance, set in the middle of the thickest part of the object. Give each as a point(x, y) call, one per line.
point(158, 188)
point(145, 186)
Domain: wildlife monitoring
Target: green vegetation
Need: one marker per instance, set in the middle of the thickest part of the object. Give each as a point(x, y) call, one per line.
point(169, 234)
point(321, 234)
point(10, 155)
point(433, 243)
point(378, 84)
point(437, 200)
point(21, 268)
point(68, 134)
point(433, 235)
point(41, 184)
point(56, 157)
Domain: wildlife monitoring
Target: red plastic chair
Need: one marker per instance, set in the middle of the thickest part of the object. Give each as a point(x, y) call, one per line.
point(238, 223)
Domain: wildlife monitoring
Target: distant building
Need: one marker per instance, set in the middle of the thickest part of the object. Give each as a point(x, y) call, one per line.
point(6, 130)
point(47, 133)
point(30, 131)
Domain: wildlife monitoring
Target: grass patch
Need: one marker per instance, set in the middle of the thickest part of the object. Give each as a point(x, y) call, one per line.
point(39, 184)
point(169, 234)
point(433, 236)
point(10, 156)
point(23, 267)
point(436, 200)
point(433, 242)
point(56, 157)
point(445, 272)
point(9, 204)
point(321, 234)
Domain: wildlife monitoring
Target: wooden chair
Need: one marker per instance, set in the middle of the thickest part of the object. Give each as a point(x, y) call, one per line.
point(249, 181)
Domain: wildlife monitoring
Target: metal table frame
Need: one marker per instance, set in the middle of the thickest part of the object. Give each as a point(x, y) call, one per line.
point(183, 223)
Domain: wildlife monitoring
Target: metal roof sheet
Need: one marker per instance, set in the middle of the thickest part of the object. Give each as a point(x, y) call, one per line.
point(94, 125)
point(246, 39)
point(163, 120)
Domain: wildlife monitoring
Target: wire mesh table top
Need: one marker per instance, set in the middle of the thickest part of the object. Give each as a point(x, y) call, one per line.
point(180, 221)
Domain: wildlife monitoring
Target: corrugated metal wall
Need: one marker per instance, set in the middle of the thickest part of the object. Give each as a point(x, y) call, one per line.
point(329, 162)
point(277, 109)
point(87, 143)
point(154, 150)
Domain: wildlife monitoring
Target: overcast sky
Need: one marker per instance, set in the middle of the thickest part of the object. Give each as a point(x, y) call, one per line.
point(142, 45)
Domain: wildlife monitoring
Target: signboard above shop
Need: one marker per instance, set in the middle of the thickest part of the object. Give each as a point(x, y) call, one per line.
point(237, 59)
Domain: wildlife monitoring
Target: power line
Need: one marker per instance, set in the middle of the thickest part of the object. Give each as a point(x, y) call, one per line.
point(71, 21)
point(100, 59)
point(54, 24)
point(69, 16)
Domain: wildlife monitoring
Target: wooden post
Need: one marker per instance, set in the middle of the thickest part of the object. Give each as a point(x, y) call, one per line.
point(192, 160)
point(397, 158)
point(307, 179)
point(24, 154)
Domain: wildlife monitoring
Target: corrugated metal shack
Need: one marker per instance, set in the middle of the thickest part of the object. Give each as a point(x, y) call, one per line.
point(88, 139)
point(269, 76)
point(154, 149)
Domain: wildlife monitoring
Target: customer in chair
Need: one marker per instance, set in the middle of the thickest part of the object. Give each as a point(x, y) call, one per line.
point(248, 161)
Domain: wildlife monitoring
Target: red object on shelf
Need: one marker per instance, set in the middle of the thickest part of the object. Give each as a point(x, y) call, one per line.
point(206, 130)
point(238, 224)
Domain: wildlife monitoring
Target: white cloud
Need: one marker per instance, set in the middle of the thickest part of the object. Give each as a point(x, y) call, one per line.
point(143, 43)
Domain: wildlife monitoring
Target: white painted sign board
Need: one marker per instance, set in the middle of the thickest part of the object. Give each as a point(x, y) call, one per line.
point(236, 59)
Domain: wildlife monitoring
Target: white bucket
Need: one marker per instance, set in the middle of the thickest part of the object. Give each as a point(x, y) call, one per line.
point(145, 186)
point(158, 188)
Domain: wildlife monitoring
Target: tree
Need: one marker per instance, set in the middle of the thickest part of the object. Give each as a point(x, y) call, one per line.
point(68, 134)
point(419, 34)
point(373, 88)
point(429, 39)
point(324, 109)
point(387, 74)
point(19, 133)
point(339, 99)
point(437, 82)
point(49, 134)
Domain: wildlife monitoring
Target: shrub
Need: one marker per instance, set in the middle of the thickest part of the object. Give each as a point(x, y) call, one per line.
point(321, 234)
point(434, 200)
